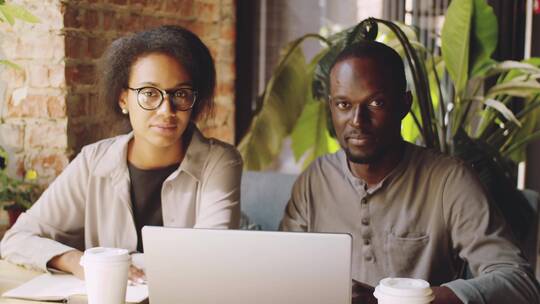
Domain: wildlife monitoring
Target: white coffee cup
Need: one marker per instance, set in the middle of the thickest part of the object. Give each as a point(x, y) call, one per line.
point(105, 274)
point(403, 291)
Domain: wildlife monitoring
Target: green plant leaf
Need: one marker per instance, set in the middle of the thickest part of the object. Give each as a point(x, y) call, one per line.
point(5, 12)
point(455, 41)
point(515, 148)
point(501, 108)
point(483, 39)
point(515, 67)
point(311, 133)
point(515, 88)
point(17, 12)
point(512, 150)
point(282, 103)
point(10, 64)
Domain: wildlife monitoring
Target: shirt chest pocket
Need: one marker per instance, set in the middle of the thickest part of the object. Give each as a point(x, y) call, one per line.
point(404, 251)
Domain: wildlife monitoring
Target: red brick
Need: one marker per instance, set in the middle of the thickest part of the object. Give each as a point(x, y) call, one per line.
point(228, 10)
point(12, 136)
point(228, 32)
point(186, 10)
point(225, 52)
point(77, 105)
point(91, 19)
point(151, 22)
point(96, 46)
point(56, 107)
point(32, 106)
point(206, 31)
point(225, 72)
point(225, 89)
point(95, 108)
point(14, 77)
point(73, 45)
point(44, 45)
point(172, 6)
point(219, 116)
point(207, 12)
point(47, 163)
point(72, 16)
point(81, 74)
point(38, 75)
point(57, 77)
point(10, 43)
point(17, 161)
point(139, 3)
point(46, 135)
point(24, 49)
point(155, 5)
point(118, 2)
point(134, 23)
point(109, 18)
point(127, 22)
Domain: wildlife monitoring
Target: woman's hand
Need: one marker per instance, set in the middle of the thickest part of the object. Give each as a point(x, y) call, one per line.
point(68, 262)
point(136, 276)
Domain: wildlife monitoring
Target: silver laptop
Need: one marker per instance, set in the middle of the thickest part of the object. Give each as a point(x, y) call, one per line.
point(200, 266)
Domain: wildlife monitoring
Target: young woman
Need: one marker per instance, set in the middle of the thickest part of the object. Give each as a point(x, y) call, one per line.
point(163, 173)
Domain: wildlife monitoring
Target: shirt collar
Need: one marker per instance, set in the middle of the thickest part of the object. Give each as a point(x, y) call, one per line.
point(114, 161)
point(361, 185)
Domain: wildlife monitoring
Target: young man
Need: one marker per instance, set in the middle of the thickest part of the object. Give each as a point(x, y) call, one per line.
point(412, 212)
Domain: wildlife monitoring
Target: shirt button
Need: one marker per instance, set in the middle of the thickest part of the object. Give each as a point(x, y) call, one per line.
point(367, 241)
point(364, 201)
point(369, 258)
point(365, 221)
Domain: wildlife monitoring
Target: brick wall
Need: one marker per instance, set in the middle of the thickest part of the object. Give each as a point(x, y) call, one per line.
point(49, 109)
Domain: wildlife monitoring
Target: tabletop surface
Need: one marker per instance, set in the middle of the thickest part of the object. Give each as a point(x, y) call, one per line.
point(12, 276)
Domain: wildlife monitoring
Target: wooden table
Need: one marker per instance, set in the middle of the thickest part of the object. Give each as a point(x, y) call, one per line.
point(12, 276)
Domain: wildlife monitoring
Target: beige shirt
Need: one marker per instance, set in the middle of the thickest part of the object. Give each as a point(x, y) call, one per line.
point(89, 204)
point(427, 217)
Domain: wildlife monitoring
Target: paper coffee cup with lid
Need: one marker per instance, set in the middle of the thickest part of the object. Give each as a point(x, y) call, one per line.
point(106, 274)
point(403, 291)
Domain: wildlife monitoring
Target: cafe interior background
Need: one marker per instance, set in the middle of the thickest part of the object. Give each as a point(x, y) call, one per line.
point(48, 101)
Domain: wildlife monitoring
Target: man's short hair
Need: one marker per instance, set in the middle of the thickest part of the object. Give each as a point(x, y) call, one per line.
point(387, 58)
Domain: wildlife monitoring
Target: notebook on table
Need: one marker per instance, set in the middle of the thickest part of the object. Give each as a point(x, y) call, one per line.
point(61, 287)
point(200, 266)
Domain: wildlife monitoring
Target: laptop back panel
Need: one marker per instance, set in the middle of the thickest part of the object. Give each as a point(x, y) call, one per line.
point(200, 266)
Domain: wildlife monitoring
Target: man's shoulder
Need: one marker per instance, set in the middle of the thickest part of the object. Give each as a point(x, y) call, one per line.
point(429, 158)
point(434, 165)
point(326, 166)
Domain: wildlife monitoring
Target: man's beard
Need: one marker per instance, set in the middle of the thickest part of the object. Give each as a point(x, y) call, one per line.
point(366, 159)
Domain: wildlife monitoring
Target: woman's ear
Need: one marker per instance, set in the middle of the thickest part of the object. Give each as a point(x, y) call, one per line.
point(122, 100)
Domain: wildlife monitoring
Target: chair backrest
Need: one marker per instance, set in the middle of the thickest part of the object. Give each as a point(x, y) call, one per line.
point(264, 196)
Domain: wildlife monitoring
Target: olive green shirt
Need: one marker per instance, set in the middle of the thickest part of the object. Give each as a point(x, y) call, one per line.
point(427, 217)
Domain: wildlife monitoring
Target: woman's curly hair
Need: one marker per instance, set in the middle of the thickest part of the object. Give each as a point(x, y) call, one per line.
point(174, 41)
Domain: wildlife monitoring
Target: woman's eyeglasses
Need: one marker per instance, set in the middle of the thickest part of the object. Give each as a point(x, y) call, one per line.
point(151, 98)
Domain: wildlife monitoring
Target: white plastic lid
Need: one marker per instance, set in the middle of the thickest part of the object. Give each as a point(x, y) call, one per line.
point(106, 255)
point(404, 287)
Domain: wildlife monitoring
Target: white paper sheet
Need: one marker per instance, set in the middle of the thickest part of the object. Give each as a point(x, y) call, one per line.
point(55, 287)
